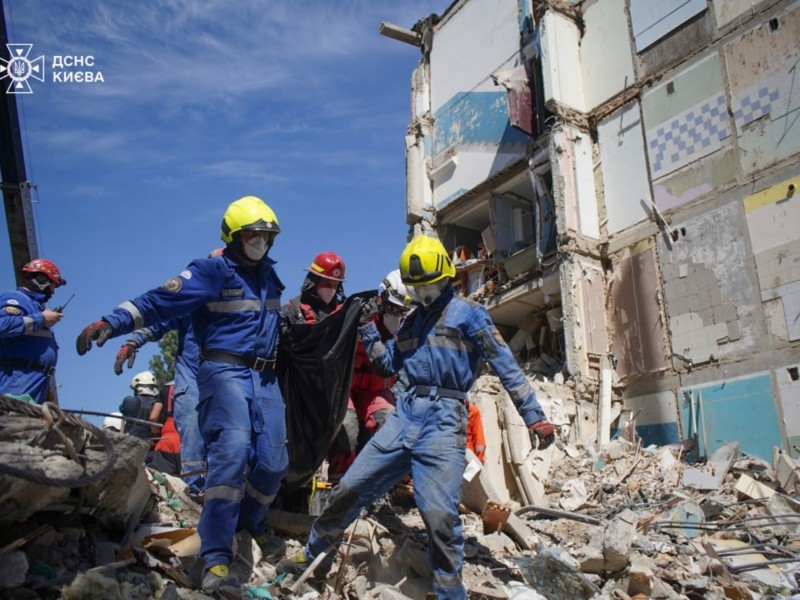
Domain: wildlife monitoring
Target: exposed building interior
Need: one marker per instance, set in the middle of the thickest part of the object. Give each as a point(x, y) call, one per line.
point(616, 181)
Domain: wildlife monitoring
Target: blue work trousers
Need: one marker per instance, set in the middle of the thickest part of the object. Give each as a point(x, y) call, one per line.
point(242, 421)
point(184, 410)
point(424, 436)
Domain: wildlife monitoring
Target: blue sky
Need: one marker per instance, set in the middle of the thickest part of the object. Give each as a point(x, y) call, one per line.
point(303, 104)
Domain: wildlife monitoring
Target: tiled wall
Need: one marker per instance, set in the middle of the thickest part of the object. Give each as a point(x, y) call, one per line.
point(765, 96)
point(686, 119)
point(773, 217)
point(711, 301)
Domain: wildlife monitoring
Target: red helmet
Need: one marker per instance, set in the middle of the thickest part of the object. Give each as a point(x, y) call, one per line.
point(47, 268)
point(328, 266)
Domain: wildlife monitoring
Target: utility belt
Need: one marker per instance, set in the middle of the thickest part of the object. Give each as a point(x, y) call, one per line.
point(31, 365)
point(257, 363)
point(432, 390)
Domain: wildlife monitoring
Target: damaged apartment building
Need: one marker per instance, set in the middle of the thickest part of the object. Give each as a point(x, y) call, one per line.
point(618, 183)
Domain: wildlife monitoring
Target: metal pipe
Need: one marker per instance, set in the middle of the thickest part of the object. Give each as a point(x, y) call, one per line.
point(118, 416)
point(562, 514)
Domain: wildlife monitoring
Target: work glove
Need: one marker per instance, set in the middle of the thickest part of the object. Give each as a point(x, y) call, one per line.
point(542, 434)
point(369, 309)
point(99, 331)
point(126, 353)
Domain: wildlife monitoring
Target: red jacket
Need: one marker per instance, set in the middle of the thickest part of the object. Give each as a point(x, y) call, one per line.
point(365, 379)
point(298, 311)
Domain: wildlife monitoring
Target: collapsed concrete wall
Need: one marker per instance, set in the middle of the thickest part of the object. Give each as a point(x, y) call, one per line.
point(653, 207)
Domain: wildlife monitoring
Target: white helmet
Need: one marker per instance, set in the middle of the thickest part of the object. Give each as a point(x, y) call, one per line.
point(147, 382)
point(393, 288)
point(113, 422)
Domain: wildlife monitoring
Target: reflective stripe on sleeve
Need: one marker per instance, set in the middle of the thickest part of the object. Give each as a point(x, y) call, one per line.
point(29, 324)
point(376, 351)
point(138, 320)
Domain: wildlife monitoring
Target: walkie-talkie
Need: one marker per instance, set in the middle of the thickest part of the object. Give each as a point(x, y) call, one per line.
point(60, 309)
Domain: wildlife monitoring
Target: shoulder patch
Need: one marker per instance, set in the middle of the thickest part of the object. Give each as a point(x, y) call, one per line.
point(497, 337)
point(173, 285)
point(12, 310)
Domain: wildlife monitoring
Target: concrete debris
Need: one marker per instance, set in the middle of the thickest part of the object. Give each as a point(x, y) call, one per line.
point(574, 521)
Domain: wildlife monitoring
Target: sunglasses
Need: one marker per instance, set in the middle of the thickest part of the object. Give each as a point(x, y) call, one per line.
point(394, 309)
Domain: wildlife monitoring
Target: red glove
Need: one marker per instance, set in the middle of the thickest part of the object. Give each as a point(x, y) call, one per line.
point(99, 331)
point(542, 434)
point(126, 353)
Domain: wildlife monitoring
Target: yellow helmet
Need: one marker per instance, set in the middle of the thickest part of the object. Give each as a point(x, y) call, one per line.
point(248, 214)
point(424, 261)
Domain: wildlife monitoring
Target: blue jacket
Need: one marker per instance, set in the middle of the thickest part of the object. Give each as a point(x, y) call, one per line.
point(187, 346)
point(442, 347)
point(233, 307)
point(24, 336)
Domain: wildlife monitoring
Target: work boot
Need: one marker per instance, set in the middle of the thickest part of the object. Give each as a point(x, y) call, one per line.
point(219, 579)
point(296, 565)
point(272, 547)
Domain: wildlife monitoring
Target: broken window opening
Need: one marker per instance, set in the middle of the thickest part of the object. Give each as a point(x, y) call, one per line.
point(542, 118)
point(471, 243)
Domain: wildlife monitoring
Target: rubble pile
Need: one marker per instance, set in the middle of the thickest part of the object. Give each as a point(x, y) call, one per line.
point(571, 521)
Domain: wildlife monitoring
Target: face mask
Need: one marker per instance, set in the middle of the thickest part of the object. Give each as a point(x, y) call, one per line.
point(392, 322)
point(326, 294)
point(426, 294)
point(146, 390)
point(41, 284)
point(256, 248)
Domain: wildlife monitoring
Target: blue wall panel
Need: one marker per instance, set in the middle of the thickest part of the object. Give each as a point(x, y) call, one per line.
point(742, 410)
point(659, 434)
point(475, 118)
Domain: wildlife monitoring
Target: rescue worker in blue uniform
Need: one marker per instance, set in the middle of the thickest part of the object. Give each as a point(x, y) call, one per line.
point(185, 395)
point(234, 303)
point(28, 349)
point(440, 346)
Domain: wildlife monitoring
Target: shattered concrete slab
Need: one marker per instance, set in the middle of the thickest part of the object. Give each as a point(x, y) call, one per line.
point(636, 532)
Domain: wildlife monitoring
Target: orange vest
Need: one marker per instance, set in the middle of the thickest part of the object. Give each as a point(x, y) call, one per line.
point(169, 441)
point(475, 438)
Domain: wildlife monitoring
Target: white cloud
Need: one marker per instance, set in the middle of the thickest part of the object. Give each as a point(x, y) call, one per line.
point(244, 169)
